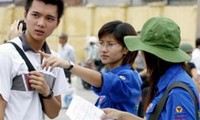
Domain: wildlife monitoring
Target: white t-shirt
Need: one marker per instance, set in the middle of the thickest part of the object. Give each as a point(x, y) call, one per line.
point(196, 59)
point(23, 103)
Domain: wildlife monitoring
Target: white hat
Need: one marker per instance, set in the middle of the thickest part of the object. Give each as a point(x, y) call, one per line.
point(92, 39)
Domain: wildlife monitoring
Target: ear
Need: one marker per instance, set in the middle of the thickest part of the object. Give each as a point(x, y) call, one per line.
point(25, 14)
point(125, 50)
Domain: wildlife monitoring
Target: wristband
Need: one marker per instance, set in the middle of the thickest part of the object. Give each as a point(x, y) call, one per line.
point(49, 96)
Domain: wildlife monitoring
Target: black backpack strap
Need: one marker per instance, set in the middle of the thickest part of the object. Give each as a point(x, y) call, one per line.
point(28, 63)
point(21, 52)
point(160, 105)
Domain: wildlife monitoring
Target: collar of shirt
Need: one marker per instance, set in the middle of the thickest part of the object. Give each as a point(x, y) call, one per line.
point(27, 47)
point(119, 68)
point(168, 77)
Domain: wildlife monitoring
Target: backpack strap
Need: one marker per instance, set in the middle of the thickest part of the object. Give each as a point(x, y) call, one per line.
point(21, 52)
point(160, 105)
point(29, 65)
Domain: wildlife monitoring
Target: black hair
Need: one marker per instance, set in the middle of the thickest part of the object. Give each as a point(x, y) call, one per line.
point(58, 3)
point(156, 68)
point(23, 25)
point(197, 42)
point(119, 30)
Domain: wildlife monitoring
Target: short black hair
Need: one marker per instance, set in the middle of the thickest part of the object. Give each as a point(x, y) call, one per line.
point(58, 3)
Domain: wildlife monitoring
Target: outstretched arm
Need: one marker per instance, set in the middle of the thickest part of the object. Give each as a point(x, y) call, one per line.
point(91, 76)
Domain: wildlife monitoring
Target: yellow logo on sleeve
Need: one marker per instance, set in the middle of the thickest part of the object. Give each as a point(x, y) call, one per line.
point(179, 109)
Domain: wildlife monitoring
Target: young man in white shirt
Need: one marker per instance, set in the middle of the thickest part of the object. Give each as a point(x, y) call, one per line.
point(19, 94)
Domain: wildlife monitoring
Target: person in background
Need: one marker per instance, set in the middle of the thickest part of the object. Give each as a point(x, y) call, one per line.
point(159, 42)
point(93, 60)
point(196, 55)
point(66, 52)
point(91, 43)
point(192, 71)
point(120, 86)
point(13, 32)
point(93, 56)
point(24, 94)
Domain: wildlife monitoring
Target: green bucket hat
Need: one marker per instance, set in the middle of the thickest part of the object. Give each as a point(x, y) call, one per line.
point(159, 36)
point(186, 47)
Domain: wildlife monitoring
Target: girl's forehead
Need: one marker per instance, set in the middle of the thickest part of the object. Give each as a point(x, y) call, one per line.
point(108, 38)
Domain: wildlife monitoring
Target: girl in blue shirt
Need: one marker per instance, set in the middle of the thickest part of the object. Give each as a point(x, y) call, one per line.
point(119, 86)
point(159, 43)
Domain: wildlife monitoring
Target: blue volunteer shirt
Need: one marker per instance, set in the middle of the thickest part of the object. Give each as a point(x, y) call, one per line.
point(180, 105)
point(121, 89)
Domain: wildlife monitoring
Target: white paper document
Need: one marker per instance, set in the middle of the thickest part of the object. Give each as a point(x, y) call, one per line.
point(81, 109)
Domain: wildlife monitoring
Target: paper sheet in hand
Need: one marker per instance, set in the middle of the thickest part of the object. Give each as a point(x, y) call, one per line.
point(80, 109)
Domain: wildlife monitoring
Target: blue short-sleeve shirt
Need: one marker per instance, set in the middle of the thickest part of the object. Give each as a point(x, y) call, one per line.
point(179, 105)
point(121, 89)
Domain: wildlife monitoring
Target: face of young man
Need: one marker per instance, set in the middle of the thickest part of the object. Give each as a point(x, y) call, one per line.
point(41, 20)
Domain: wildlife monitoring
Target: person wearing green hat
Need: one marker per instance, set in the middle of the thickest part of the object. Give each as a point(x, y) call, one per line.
point(192, 70)
point(165, 61)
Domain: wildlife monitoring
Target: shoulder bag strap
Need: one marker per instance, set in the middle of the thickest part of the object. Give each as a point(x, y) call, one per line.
point(28, 63)
point(21, 52)
point(158, 108)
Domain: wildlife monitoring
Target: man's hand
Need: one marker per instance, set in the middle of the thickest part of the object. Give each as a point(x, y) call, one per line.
point(38, 82)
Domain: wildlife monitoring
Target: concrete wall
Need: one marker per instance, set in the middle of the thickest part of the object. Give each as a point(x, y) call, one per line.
point(79, 22)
